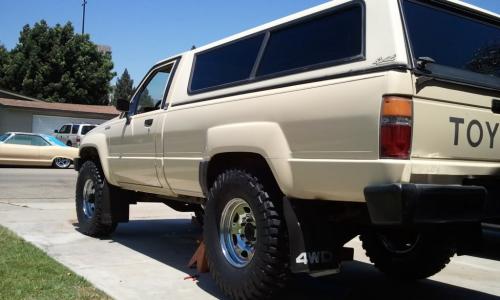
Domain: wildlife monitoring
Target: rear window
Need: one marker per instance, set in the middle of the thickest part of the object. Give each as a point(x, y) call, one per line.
point(55, 141)
point(461, 44)
point(322, 40)
point(226, 64)
point(86, 129)
point(3, 137)
point(75, 129)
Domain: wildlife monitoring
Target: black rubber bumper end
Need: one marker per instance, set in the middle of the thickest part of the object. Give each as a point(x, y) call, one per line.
point(77, 164)
point(397, 204)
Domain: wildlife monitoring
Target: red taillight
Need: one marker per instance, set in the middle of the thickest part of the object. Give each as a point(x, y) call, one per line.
point(77, 139)
point(396, 127)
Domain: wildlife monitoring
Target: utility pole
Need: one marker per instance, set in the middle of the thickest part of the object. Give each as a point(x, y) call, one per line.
point(83, 18)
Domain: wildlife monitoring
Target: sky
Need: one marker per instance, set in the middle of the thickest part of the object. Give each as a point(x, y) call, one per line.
point(141, 33)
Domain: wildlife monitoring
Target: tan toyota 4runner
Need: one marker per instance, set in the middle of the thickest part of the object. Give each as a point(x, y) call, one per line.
point(376, 118)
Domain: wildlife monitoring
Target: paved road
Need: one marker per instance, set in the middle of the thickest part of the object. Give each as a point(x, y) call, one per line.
point(32, 185)
point(147, 257)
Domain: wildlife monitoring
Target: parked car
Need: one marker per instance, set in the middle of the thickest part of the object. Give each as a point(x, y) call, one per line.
point(29, 149)
point(72, 134)
point(375, 118)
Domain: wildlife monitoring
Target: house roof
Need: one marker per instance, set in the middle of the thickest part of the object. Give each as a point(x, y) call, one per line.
point(68, 107)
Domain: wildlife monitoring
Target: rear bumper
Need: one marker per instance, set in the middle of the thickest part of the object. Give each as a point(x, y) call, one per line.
point(400, 204)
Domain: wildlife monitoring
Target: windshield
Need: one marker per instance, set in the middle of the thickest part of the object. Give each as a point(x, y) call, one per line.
point(54, 141)
point(3, 137)
point(464, 44)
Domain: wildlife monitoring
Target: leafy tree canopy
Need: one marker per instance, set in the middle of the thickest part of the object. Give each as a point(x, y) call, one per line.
point(4, 55)
point(55, 64)
point(124, 87)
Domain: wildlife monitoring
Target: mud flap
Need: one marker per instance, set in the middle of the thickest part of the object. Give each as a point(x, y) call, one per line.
point(115, 205)
point(314, 248)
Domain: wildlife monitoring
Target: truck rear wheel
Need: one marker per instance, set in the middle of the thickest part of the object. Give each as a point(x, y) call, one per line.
point(245, 237)
point(408, 255)
point(90, 200)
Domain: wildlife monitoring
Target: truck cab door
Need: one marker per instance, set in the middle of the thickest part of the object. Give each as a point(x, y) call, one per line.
point(134, 139)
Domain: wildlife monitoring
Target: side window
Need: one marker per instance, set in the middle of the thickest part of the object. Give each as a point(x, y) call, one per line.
point(75, 129)
point(324, 39)
point(226, 64)
point(30, 140)
point(86, 129)
point(38, 141)
point(65, 129)
point(151, 96)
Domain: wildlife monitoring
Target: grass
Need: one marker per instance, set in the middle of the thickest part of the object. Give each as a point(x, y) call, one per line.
point(26, 272)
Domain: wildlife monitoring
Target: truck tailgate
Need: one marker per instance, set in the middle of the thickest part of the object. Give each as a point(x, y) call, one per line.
point(453, 124)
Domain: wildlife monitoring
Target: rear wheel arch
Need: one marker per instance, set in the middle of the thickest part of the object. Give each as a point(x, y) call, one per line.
point(254, 163)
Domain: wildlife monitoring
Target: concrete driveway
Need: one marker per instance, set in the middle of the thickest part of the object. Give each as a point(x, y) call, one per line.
point(147, 257)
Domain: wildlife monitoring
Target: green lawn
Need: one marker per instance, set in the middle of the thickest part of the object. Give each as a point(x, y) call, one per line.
point(28, 273)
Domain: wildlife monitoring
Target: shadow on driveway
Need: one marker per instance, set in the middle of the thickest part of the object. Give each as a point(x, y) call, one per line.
point(173, 241)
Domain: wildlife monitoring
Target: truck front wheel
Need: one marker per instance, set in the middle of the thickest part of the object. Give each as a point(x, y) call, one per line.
point(91, 196)
point(408, 255)
point(245, 237)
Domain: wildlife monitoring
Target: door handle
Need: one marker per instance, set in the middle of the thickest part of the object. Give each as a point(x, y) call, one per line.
point(148, 122)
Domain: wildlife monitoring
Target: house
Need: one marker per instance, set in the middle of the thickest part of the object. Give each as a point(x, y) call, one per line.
point(24, 114)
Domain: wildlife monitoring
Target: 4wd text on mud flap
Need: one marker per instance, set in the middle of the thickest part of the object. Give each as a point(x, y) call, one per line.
point(315, 257)
point(475, 126)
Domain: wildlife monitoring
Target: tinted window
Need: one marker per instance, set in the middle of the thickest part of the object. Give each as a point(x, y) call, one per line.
point(75, 129)
point(30, 140)
point(86, 129)
point(323, 39)
point(54, 141)
point(453, 40)
point(3, 137)
point(65, 129)
point(226, 64)
point(151, 96)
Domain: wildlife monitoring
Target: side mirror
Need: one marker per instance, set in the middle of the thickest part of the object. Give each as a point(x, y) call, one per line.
point(56, 131)
point(122, 105)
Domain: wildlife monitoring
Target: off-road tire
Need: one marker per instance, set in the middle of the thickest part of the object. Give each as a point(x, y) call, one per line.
point(428, 255)
point(266, 275)
point(94, 226)
point(199, 215)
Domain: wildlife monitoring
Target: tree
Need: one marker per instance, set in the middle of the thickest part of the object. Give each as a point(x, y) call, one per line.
point(486, 60)
point(55, 64)
point(4, 56)
point(124, 87)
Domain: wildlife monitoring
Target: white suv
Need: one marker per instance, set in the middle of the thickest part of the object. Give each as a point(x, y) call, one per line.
point(72, 134)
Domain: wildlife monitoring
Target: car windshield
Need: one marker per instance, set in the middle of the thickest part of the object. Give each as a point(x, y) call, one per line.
point(3, 137)
point(54, 141)
point(463, 44)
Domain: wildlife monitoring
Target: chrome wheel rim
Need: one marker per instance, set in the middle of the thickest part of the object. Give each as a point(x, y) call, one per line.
point(89, 199)
point(62, 163)
point(238, 233)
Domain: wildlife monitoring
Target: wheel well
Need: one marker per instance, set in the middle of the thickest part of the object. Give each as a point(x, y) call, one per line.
point(250, 162)
point(91, 154)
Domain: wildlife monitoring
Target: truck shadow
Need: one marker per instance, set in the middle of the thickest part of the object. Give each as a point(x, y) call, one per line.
point(491, 246)
point(173, 241)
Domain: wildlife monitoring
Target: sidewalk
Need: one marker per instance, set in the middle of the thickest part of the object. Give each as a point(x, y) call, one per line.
point(146, 259)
